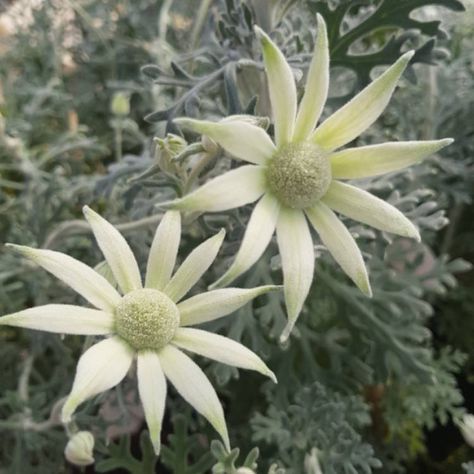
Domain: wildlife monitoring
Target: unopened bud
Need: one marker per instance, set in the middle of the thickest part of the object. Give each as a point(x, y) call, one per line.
point(79, 449)
point(120, 104)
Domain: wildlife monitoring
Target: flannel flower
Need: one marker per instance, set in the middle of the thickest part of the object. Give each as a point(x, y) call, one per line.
point(149, 323)
point(298, 175)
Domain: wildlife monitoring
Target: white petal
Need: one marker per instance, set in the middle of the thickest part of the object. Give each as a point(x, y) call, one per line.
point(116, 251)
point(193, 385)
point(221, 349)
point(63, 319)
point(194, 266)
point(362, 111)
point(101, 367)
point(233, 189)
point(364, 207)
point(282, 88)
point(257, 236)
point(341, 244)
point(164, 250)
point(217, 303)
point(297, 259)
point(81, 278)
point(374, 160)
point(152, 390)
point(317, 84)
point(241, 139)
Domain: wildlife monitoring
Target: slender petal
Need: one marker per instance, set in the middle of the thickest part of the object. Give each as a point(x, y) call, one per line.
point(101, 367)
point(164, 250)
point(116, 251)
point(193, 385)
point(220, 348)
point(297, 259)
point(341, 244)
point(364, 207)
point(63, 319)
point(282, 88)
point(241, 139)
point(362, 111)
point(257, 236)
point(217, 303)
point(374, 160)
point(228, 191)
point(152, 389)
point(317, 85)
point(81, 278)
point(194, 266)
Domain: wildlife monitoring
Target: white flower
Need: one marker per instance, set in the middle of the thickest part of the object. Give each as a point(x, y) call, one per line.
point(79, 449)
point(467, 429)
point(150, 323)
point(297, 177)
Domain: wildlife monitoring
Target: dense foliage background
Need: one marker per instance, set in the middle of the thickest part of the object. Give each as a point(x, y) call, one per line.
point(362, 384)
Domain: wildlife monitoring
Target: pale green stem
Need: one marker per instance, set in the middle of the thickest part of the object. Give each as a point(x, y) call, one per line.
point(118, 138)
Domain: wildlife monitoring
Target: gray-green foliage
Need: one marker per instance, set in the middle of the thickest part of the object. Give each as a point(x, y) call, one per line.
point(359, 380)
point(318, 417)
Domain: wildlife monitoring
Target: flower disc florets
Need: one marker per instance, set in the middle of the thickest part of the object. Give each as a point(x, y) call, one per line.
point(146, 319)
point(299, 174)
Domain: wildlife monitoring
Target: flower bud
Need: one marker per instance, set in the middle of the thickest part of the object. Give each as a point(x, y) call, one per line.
point(245, 470)
point(120, 104)
point(467, 429)
point(79, 449)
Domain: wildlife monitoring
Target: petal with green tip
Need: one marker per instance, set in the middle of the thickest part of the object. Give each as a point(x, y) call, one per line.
point(297, 259)
point(374, 160)
point(100, 368)
point(340, 243)
point(220, 348)
point(317, 85)
point(228, 191)
point(63, 319)
point(152, 390)
point(193, 385)
point(194, 266)
point(258, 234)
point(80, 277)
point(163, 252)
point(364, 207)
point(362, 111)
point(282, 88)
point(240, 138)
point(116, 251)
point(217, 303)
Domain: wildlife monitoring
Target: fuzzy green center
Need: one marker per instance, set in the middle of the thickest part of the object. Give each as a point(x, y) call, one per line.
point(146, 319)
point(299, 174)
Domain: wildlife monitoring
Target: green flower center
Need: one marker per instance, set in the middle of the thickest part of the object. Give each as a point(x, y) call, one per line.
point(146, 319)
point(299, 174)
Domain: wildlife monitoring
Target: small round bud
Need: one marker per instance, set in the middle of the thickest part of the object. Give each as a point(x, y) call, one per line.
point(146, 319)
point(120, 104)
point(79, 449)
point(245, 470)
point(299, 175)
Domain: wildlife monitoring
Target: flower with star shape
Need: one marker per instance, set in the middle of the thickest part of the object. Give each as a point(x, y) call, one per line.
point(151, 323)
point(298, 176)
